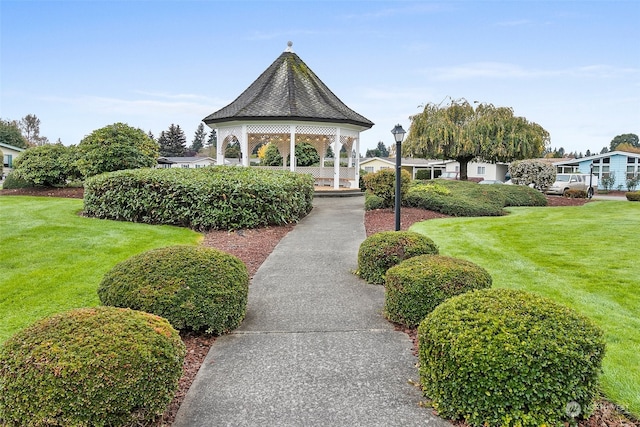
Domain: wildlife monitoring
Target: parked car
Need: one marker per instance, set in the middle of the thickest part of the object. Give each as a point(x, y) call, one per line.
point(572, 181)
point(490, 181)
point(449, 175)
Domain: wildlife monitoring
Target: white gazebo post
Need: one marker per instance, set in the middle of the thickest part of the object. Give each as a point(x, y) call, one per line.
point(219, 152)
point(244, 146)
point(336, 163)
point(292, 147)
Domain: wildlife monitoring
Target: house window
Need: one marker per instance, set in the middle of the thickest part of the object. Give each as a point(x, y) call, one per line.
point(631, 160)
point(606, 160)
point(631, 171)
point(481, 170)
point(368, 169)
point(7, 161)
point(185, 166)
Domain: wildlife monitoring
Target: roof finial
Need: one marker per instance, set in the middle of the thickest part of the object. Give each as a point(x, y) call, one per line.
point(289, 48)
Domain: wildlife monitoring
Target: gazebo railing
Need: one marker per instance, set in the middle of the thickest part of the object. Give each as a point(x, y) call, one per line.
point(324, 176)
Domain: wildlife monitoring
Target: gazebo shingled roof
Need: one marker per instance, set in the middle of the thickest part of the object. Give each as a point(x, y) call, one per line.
point(288, 90)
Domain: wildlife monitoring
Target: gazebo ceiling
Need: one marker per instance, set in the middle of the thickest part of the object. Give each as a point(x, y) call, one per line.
point(288, 90)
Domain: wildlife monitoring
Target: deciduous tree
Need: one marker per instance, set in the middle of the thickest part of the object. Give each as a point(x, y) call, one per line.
point(464, 133)
point(30, 127)
point(627, 138)
point(10, 134)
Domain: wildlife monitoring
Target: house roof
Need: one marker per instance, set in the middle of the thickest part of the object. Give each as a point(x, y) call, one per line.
point(288, 90)
point(11, 147)
point(183, 159)
point(405, 161)
point(572, 162)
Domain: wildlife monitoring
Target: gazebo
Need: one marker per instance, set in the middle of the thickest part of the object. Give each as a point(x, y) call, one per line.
point(288, 105)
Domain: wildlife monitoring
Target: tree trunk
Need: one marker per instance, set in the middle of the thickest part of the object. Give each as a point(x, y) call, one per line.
point(464, 161)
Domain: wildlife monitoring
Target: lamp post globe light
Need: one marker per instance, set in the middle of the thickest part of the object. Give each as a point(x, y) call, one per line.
point(398, 135)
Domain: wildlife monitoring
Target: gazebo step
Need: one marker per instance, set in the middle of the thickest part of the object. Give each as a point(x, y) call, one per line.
point(339, 193)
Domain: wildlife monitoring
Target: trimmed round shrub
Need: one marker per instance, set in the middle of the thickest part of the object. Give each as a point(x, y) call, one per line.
point(502, 357)
point(633, 196)
point(193, 287)
point(90, 367)
point(372, 202)
point(417, 285)
point(383, 250)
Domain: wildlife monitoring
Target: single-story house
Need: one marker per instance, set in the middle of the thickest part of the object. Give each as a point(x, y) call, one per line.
point(623, 165)
point(476, 171)
point(9, 154)
point(185, 162)
point(411, 165)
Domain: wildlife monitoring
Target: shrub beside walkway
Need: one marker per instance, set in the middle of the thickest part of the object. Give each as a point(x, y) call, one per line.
point(314, 348)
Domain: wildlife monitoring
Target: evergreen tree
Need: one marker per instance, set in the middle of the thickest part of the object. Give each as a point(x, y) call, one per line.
point(173, 142)
point(198, 138)
point(212, 141)
point(382, 149)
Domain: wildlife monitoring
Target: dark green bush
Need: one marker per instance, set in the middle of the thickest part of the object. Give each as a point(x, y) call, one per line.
point(633, 196)
point(522, 195)
point(371, 201)
point(501, 357)
point(423, 174)
point(573, 193)
point(193, 287)
point(220, 197)
point(383, 185)
point(383, 250)
point(417, 285)
point(12, 182)
point(99, 366)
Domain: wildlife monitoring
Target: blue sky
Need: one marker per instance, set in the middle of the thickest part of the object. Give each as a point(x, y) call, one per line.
point(571, 66)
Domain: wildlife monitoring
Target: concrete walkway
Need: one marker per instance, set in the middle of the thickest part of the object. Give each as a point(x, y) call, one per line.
point(314, 349)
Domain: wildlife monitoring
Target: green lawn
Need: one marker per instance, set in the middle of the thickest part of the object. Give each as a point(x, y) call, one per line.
point(585, 257)
point(52, 259)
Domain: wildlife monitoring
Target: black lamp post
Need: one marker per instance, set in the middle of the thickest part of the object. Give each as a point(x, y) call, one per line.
point(398, 135)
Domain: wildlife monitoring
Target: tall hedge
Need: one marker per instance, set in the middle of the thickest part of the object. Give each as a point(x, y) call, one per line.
point(100, 366)
point(220, 197)
point(499, 357)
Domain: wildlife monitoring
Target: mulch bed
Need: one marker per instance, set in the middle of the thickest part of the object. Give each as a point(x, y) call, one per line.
point(254, 246)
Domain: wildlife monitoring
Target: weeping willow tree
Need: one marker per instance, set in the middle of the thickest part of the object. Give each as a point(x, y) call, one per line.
point(461, 132)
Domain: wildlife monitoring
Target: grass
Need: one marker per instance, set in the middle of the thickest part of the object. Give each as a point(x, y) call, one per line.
point(52, 259)
point(584, 257)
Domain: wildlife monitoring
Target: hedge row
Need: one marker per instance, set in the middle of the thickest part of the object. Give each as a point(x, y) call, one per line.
point(219, 197)
point(459, 198)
